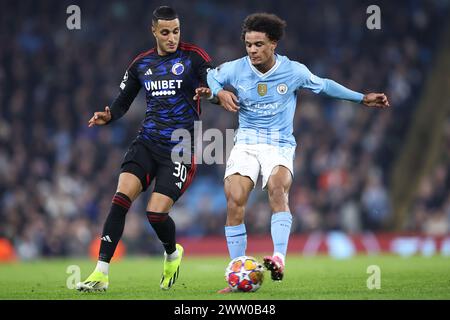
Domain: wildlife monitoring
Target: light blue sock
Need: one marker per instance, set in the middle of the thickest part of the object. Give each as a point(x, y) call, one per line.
point(280, 229)
point(236, 240)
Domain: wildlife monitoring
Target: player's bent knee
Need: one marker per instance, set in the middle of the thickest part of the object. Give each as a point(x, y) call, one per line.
point(236, 199)
point(130, 185)
point(159, 203)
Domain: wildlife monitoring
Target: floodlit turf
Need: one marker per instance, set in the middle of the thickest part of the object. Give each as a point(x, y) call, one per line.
point(201, 277)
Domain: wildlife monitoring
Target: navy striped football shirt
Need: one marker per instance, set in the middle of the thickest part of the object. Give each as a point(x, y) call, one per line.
point(169, 82)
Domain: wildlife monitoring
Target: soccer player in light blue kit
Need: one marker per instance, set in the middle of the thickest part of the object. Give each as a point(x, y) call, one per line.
point(266, 84)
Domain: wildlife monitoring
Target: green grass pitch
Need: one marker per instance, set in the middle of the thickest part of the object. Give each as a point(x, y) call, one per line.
point(200, 277)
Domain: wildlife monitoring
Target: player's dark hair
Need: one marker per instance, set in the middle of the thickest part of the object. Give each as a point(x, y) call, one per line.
point(268, 23)
point(163, 13)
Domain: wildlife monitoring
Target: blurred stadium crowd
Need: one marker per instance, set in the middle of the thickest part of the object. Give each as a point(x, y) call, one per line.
point(57, 176)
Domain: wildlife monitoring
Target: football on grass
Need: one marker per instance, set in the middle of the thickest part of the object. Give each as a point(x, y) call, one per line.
point(244, 274)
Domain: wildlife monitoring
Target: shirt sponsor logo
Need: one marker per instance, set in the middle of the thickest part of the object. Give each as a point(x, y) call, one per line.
point(163, 84)
point(163, 87)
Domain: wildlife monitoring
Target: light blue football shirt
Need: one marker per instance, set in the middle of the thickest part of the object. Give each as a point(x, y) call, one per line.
point(268, 101)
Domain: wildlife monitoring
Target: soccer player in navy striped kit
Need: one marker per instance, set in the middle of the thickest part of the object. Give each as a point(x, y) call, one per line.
point(171, 74)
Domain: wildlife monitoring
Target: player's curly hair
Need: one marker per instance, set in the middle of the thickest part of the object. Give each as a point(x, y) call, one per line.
point(268, 23)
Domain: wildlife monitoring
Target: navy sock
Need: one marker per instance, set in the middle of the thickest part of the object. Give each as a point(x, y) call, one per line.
point(164, 227)
point(113, 227)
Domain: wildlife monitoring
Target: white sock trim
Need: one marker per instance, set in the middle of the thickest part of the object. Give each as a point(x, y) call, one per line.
point(172, 256)
point(103, 267)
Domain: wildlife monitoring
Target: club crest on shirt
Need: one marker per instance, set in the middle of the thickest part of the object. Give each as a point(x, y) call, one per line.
point(177, 68)
point(282, 88)
point(262, 89)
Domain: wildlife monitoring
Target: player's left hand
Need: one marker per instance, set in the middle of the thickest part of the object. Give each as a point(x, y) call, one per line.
point(376, 100)
point(100, 118)
point(202, 92)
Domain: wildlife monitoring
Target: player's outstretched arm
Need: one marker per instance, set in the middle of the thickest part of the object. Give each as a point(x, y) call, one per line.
point(129, 88)
point(376, 100)
point(336, 90)
point(100, 118)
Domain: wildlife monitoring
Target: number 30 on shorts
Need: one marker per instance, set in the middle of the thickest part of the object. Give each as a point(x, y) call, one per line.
point(180, 171)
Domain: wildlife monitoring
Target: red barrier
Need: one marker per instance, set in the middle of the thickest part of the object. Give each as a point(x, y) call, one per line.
point(7, 252)
point(95, 247)
point(323, 243)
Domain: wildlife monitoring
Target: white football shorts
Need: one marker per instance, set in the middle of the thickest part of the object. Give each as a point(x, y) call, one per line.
point(252, 159)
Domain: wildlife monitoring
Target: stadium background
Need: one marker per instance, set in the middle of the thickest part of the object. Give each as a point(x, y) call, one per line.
point(57, 176)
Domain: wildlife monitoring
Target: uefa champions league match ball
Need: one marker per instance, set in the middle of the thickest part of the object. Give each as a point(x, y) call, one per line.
point(244, 274)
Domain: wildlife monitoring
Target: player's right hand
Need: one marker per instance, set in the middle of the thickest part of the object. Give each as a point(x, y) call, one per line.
point(100, 118)
point(376, 100)
point(228, 100)
point(202, 92)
